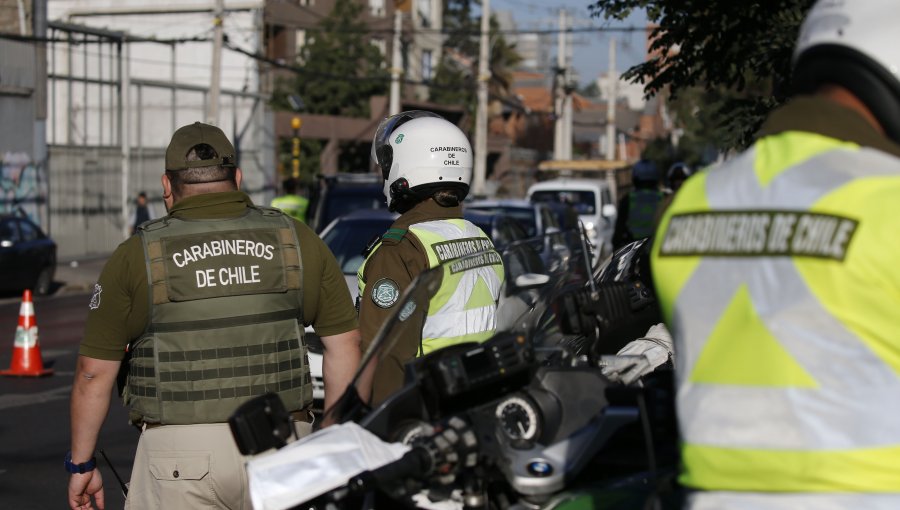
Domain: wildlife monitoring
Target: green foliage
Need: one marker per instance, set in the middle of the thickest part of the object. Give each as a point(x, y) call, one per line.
point(455, 80)
point(739, 51)
point(342, 68)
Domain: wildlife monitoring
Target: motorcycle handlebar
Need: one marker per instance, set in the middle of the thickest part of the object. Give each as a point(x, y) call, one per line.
point(415, 463)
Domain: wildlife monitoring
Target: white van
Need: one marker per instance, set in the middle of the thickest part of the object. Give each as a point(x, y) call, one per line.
point(593, 200)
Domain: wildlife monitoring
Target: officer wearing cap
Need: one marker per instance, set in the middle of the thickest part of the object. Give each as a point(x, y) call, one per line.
point(426, 163)
point(211, 302)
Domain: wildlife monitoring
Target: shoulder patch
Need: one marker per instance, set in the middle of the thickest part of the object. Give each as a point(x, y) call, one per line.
point(95, 298)
point(393, 235)
point(385, 292)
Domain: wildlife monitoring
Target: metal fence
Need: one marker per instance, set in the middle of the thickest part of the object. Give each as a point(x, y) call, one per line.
point(107, 133)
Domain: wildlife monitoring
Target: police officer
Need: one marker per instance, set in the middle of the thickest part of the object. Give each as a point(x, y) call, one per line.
point(426, 163)
point(291, 203)
point(778, 274)
point(211, 300)
point(637, 209)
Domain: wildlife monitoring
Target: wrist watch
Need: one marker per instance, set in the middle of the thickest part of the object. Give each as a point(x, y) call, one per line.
point(82, 468)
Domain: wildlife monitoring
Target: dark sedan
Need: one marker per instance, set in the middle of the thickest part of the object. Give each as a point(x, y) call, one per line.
point(27, 256)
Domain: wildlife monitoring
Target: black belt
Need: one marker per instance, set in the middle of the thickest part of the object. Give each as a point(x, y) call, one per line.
point(304, 416)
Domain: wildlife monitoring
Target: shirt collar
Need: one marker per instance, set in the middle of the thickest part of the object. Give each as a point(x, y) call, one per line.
point(823, 116)
point(428, 210)
point(226, 204)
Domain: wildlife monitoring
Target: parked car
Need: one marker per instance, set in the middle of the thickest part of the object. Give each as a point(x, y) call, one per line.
point(347, 237)
point(529, 285)
point(27, 256)
point(540, 223)
point(591, 198)
point(345, 192)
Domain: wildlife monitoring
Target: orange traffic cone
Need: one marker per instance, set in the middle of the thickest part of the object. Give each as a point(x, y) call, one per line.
point(26, 359)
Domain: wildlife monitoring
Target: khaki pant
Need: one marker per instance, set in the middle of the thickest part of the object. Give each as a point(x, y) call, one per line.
point(189, 467)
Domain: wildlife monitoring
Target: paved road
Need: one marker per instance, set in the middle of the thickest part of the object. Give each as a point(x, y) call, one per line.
point(34, 412)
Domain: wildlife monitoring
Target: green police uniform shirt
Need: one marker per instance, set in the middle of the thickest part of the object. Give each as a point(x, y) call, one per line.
point(389, 271)
point(119, 308)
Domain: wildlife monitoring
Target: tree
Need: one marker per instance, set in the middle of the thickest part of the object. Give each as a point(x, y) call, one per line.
point(737, 51)
point(455, 79)
point(341, 68)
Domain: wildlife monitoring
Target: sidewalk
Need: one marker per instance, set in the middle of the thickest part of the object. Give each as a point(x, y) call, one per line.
point(75, 276)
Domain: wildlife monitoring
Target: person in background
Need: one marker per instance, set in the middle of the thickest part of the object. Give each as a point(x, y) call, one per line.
point(637, 209)
point(777, 273)
point(292, 203)
point(675, 177)
point(143, 211)
point(210, 302)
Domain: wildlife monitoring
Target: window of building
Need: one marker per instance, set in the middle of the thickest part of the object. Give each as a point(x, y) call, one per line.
point(300, 41)
point(424, 8)
point(427, 67)
point(307, 3)
point(381, 45)
point(376, 7)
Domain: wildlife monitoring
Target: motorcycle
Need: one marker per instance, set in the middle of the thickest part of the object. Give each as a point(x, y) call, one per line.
point(524, 420)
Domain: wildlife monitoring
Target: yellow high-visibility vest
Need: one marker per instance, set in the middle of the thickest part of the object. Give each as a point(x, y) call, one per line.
point(779, 276)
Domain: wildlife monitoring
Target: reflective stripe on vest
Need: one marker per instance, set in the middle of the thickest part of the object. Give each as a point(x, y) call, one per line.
point(775, 274)
point(642, 204)
point(226, 307)
point(464, 308)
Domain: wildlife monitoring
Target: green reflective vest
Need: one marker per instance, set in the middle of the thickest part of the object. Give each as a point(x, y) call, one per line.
point(225, 319)
point(464, 309)
point(292, 205)
point(642, 205)
point(779, 278)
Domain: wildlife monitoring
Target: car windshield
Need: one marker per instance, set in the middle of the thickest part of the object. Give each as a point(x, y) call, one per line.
point(584, 201)
point(349, 237)
point(524, 216)
point(340, 203)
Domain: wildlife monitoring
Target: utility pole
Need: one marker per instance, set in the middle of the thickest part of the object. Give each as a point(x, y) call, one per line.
point(481, 118)
point(559, 131)
point(212, 106)
point(613, 86)
point(396, 56)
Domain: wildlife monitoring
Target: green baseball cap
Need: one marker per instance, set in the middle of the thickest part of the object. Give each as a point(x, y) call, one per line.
point(186, 137)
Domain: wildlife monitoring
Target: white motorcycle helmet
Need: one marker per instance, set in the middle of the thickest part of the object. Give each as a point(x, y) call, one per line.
point(418, 153)
point(854, 44)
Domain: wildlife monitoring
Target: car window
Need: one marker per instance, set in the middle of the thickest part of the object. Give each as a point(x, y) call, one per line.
point(348, 239)
point(27, 231)
point(520, 259)
point(584, 201)
point(8, 231)
point(342, 203)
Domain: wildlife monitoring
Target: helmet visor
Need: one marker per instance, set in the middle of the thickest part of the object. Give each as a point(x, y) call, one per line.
point(382, 152)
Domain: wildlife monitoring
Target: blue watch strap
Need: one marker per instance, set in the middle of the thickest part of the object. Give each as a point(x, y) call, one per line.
point(82, 468)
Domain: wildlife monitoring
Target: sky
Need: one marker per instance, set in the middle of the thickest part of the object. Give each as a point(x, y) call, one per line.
point(591, 49)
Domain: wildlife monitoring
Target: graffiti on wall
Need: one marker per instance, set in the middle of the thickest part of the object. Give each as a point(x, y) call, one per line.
point(22, 187)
